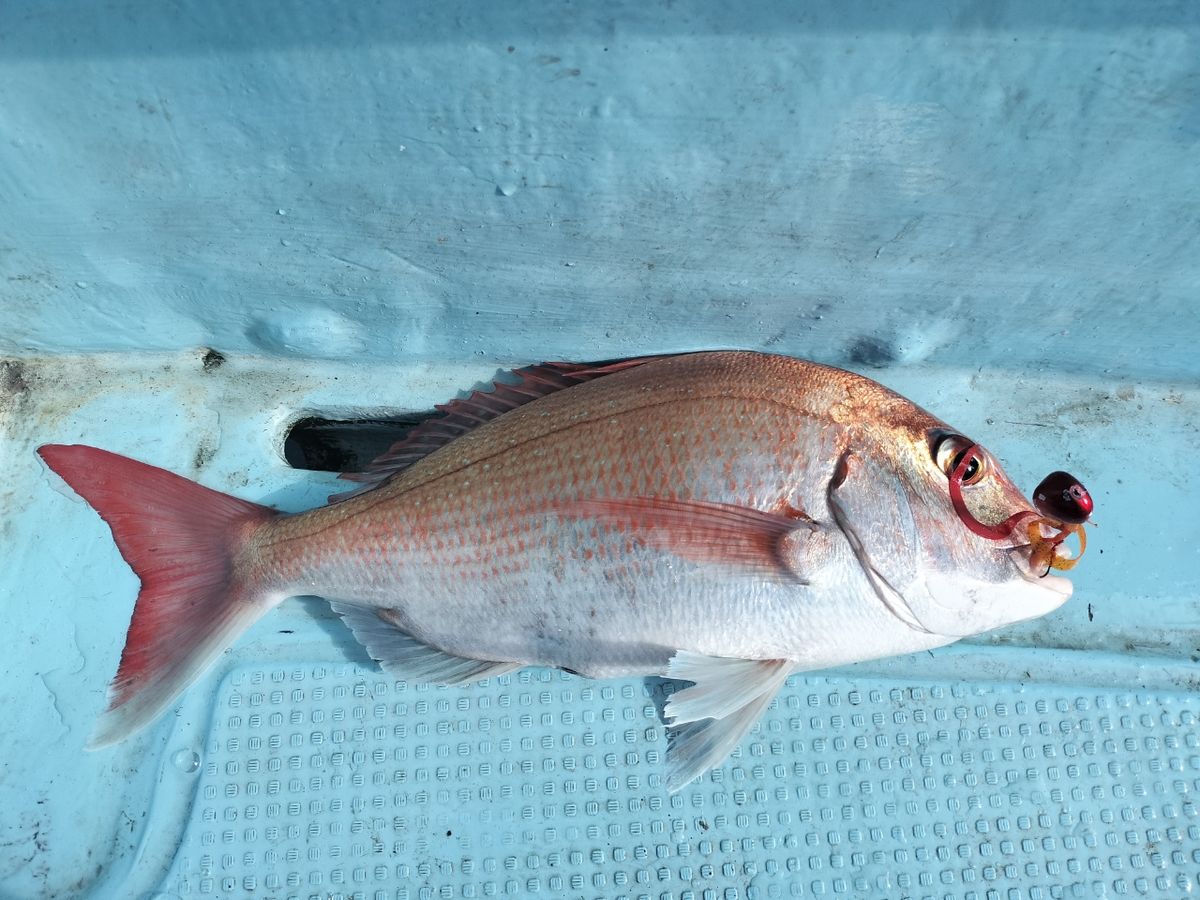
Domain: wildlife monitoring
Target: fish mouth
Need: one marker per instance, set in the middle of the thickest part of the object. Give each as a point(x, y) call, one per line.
point(1020, 557)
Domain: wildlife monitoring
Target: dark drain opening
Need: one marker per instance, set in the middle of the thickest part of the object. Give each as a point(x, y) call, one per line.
point(345, 445)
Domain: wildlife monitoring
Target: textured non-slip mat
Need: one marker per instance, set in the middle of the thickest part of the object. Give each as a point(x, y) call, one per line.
point(334, 781)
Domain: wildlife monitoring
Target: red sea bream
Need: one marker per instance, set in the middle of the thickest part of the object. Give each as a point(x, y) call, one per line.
point(724, 518)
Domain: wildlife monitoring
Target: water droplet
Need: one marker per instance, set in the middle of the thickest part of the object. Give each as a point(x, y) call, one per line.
point(186, 761)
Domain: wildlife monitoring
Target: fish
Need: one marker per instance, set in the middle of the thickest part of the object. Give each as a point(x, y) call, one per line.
point(724, 518)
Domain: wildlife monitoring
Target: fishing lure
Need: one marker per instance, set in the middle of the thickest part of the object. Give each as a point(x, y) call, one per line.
point(1064, 503)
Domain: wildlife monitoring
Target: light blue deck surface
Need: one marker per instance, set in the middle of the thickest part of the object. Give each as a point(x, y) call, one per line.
point(989, 207)
point(1057, 758)
point(323, 780)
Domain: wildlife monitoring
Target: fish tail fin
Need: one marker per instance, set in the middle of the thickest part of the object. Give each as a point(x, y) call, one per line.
point(182, 540)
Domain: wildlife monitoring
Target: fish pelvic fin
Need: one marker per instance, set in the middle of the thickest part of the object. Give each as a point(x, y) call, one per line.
point(182, 540)
point(708, 720)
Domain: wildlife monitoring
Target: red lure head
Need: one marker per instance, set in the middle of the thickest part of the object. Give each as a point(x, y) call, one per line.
point(1060, 496)
point(1063, 506)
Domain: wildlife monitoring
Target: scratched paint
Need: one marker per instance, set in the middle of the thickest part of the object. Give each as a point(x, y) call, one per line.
point(1010, 183)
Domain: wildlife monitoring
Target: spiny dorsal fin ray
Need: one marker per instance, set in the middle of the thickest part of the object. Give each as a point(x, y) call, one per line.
point(467, 413)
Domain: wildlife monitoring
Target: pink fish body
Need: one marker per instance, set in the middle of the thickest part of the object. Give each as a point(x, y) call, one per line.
point(724, 518)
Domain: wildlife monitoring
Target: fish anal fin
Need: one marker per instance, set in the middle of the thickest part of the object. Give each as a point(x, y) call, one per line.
point(403, 656)
point(720, 533)
point(709, 719)
point(460, 416)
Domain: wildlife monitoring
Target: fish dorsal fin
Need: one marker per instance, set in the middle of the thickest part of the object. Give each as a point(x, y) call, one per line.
point(403, 656)
point(709, 719)
point(467, 413)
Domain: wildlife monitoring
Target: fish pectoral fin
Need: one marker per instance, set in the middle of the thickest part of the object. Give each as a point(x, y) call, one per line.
point(720, 533)
point(709, 719)
point(403, 656)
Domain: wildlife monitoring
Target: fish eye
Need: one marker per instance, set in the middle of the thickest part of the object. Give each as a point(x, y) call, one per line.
point(948, 451)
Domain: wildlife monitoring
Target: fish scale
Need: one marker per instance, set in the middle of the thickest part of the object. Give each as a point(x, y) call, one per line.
point(723, 518)
point(440, 562)
point(438, 528)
